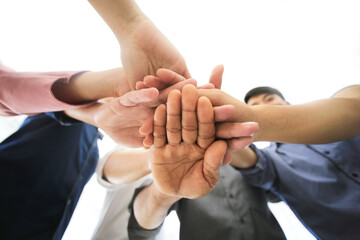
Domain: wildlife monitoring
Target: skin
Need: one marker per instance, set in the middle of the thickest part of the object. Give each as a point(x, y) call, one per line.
point(317, 122)
point(128, 118)
point(91, 86)
point(330, 120)
point(238, 134)
point(144, 49)
point(183, 163)
point(126, 166)
point(121, 117)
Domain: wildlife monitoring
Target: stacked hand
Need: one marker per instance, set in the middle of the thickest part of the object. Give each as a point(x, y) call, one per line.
point(186, 158)
point(145, 50)
point(233, 118)
point(122, 117)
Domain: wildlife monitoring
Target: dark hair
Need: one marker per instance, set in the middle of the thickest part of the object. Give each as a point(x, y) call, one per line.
point(260, 90)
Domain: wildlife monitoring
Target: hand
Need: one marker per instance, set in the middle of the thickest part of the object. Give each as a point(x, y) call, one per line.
point(237, 133)
point(145, 49)
point(122, 117)
point(186, 158)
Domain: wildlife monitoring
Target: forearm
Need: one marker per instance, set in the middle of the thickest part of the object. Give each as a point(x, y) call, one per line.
point(124, 167)
point(318, 122)
point(151, 207)
point(85, 114)
point(120, 15)
point(245, 158)
point(91, 86)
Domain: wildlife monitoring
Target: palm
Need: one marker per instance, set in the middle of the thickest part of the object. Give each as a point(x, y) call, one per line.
point(185, 168)
point(122, 123)
point(186, 160)
point(122, 117)
point(146, 50)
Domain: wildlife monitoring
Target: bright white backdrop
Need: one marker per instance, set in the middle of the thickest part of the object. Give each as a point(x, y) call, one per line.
point(307, 49)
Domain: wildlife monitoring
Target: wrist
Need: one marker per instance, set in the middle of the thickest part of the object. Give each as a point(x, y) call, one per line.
point(120, 15)
point(162, 199)
point(96, 85)
point(244, 159)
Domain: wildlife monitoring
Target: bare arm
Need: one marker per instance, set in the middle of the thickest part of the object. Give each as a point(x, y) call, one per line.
point(317, 122)
point(245, 158)
point(91, 86)
point(151, 207)
point(120, 15)
point(322, 121)
point(126, 166)
point(144, 49)
point(185, 157)
point(122, 117)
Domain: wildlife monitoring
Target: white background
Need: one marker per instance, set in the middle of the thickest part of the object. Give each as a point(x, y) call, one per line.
point(307, 49)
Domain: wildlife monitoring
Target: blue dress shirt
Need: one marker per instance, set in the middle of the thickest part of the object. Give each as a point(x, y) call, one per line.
point(44, 167)
point(320, 183)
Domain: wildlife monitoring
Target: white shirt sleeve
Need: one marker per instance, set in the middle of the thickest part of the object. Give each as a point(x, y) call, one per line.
point(99, 172)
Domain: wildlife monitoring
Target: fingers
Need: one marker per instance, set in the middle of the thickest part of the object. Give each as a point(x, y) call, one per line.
point(223, 113)
point(153, 81)
point(213, 160)
point(138, 96)
point(219, 98)
point(216, 96)
point(147, 127)
point(239, 135)
point(227, 158)
point(216, 76)
point(173, 121)
point(169, 77)
point(179, 86)
point(140, 85)
point(148, 141)
point(234, 130)
point(163, 79)
point(206, 86)
point(189, 123)
point(206, 125)
point(160, 126)
point(237, 144)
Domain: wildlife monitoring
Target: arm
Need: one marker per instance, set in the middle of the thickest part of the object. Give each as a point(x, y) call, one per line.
point(122, 117)
point(317, 122)
point(237, 134)
point(243, 159)
point(322, 121)
point(185, 159)
point(124, 166)
point(151, 207)
point(31, 93)
point(144, 49)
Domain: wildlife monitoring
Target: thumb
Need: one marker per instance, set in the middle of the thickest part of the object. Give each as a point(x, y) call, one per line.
point(213, 159)
point(186, 74)
point(133, 98)
point(216, 76)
